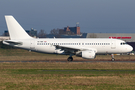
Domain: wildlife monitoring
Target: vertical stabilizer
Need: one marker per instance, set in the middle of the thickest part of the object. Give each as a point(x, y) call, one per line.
point(15, 30)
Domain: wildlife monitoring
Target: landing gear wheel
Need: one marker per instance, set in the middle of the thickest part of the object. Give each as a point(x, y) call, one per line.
point(113, 59)
point(70, 59)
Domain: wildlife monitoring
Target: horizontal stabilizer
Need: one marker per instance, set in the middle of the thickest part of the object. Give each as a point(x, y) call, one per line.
point(10, 42)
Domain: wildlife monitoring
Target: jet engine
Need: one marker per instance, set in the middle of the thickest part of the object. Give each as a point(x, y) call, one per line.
point(89, 54)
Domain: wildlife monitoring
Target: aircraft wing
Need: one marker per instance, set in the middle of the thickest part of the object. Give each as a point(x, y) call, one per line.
point(71, 49)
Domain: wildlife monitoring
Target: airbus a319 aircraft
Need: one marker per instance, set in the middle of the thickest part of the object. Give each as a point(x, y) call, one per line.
point(83, 47)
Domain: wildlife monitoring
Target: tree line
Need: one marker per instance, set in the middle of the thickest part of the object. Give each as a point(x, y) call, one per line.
point(41, 34)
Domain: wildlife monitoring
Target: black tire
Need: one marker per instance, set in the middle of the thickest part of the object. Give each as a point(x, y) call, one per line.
point(113, 59)
point(70, 59)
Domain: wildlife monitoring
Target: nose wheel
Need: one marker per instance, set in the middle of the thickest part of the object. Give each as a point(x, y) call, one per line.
point(113, 59)
point(70, 59)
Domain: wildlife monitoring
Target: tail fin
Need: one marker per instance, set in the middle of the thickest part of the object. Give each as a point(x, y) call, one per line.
point(15, 30)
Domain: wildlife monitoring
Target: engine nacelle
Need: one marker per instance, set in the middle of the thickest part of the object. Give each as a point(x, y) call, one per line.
point(88, 54)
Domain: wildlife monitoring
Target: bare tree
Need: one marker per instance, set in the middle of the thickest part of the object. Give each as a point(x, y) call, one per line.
point(54, 31)
point(42, 34)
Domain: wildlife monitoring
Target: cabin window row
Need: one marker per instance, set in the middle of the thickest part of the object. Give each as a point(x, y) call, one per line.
point(97, 43)
point(58, 43)
point(73, 43)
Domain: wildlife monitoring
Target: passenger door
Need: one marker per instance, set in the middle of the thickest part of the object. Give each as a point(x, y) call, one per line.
point(113, 44)
point(32, 45)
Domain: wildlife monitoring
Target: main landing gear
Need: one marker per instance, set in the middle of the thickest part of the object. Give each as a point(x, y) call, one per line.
point(70, 58)
point(112, 55)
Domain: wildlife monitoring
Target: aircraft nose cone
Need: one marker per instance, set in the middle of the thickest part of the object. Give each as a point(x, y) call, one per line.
point(131, 48)
point(128, 48)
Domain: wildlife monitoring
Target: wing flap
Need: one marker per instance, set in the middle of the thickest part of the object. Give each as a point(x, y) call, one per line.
point(67, 47)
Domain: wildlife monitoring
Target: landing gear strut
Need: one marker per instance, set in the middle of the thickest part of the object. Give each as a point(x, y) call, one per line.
point(112, 55)
point(70, 59)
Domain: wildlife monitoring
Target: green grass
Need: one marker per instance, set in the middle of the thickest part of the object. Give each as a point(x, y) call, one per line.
point(39, 79)
point(63, 76)
point(72, 71)
point(84, 76)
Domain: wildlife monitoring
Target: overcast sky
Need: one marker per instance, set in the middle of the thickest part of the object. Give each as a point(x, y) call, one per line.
point(94, 16)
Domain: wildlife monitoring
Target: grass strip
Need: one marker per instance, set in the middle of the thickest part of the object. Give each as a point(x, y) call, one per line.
point(70, 71)
point(63, 76)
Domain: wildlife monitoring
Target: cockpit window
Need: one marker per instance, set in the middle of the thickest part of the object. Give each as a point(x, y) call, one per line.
point(123, 43)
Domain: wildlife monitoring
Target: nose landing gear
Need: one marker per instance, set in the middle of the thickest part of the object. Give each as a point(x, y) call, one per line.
point(113, 59)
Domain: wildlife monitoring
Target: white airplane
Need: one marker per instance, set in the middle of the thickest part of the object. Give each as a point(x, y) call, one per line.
point(84, 47)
